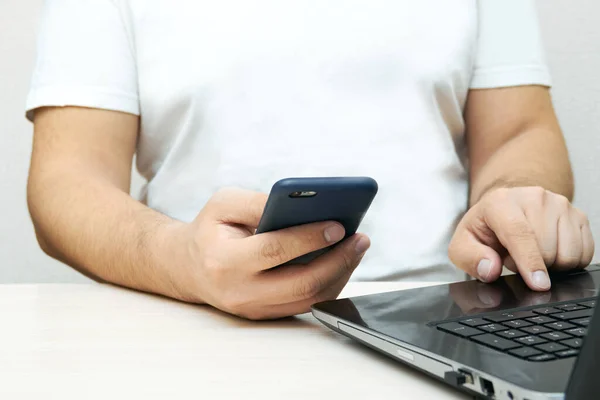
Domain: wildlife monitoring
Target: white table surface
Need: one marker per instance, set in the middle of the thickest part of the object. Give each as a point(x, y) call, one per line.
point(91, 341)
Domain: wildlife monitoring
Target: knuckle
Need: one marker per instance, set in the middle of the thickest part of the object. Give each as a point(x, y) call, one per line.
point(498, 195)
point(584, 219)
point(562, 202)
point(273, 251)
point(581, 217)
point(535, 196)
point(309, 287)
point(537, 191)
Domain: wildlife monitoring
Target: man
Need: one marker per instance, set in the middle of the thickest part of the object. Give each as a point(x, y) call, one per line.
point(445, 104)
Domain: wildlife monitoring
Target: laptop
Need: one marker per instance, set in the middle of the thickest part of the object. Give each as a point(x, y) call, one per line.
point(496, 341)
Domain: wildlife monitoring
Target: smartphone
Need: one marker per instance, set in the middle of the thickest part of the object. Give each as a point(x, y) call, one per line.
point(298, 201)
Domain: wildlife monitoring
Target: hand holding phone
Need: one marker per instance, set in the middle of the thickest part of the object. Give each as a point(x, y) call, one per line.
point(217, 259)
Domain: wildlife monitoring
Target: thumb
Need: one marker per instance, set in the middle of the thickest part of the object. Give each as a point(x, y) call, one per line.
point(474, 257)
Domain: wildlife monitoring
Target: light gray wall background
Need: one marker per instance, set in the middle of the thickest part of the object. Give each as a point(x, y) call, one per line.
point(572, 39)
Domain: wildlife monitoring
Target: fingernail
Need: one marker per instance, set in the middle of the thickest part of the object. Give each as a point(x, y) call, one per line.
point(484, 269)
point(334, 233)
point(362, 245)
point(541, 280)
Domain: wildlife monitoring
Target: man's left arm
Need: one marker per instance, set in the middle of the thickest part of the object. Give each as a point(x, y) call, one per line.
point(515, 140)
point(521, 185)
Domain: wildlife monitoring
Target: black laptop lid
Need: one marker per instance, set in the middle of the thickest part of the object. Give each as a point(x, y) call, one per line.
point(584, 383)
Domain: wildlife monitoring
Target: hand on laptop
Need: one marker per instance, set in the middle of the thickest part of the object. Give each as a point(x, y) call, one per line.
point(231, 268)
point(528, 229)
point(474, 299)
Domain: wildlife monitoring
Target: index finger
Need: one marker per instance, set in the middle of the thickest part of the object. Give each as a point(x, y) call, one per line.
point(237, 206)
point(516, 234)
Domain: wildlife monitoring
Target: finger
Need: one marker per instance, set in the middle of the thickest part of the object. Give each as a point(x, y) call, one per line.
point(237, 206)
point(543, 218)
point(516, 234)
point(275, 311)
point(270, 249)
point(588, 245)
point(296, 283)
point(587, 239)
point(510, 264)
point(475, 258)
point(570, 246)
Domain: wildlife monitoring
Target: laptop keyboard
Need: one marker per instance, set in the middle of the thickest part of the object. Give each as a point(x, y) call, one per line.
point(535, 334)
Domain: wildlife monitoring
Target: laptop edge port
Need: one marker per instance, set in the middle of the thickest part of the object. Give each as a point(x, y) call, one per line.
point(487, 387)
point(468, 376)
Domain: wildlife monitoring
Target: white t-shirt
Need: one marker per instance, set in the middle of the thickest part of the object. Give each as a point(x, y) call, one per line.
point(245, 93)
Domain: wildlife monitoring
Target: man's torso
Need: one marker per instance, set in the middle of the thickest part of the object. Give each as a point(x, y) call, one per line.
point(247, 93)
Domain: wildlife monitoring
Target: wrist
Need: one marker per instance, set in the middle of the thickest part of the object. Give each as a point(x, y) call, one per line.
point(496, 184)
point(173, 257)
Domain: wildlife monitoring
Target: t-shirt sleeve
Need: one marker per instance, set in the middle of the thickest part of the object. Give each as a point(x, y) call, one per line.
point(509, 46)
point(85, 57)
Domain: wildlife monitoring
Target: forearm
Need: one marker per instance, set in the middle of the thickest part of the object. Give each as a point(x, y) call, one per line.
point(93, 226)
point(533, 158)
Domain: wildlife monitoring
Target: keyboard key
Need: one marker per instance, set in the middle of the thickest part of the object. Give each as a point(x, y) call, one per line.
point(587, 312)
point(541, 319)
point(574, 343)
point(458, 329)
point(474, 322)
point(513, 334)
point(525, 352)
point(517, 323)
point(591, 303)
point(581, 321)
point(496, 342)
point(579, 332)
point(508, 315)
point(492, 327)
point(570, 307)
point(560, 325)
point(542, 357)
point(551, 347)
point(536, 329)
point(531, 340)
point(546, 310)
point(567, 353)
point(555, 336)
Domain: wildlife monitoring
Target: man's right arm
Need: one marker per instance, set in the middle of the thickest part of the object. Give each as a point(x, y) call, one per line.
point(78, 197)
point(79, 202)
